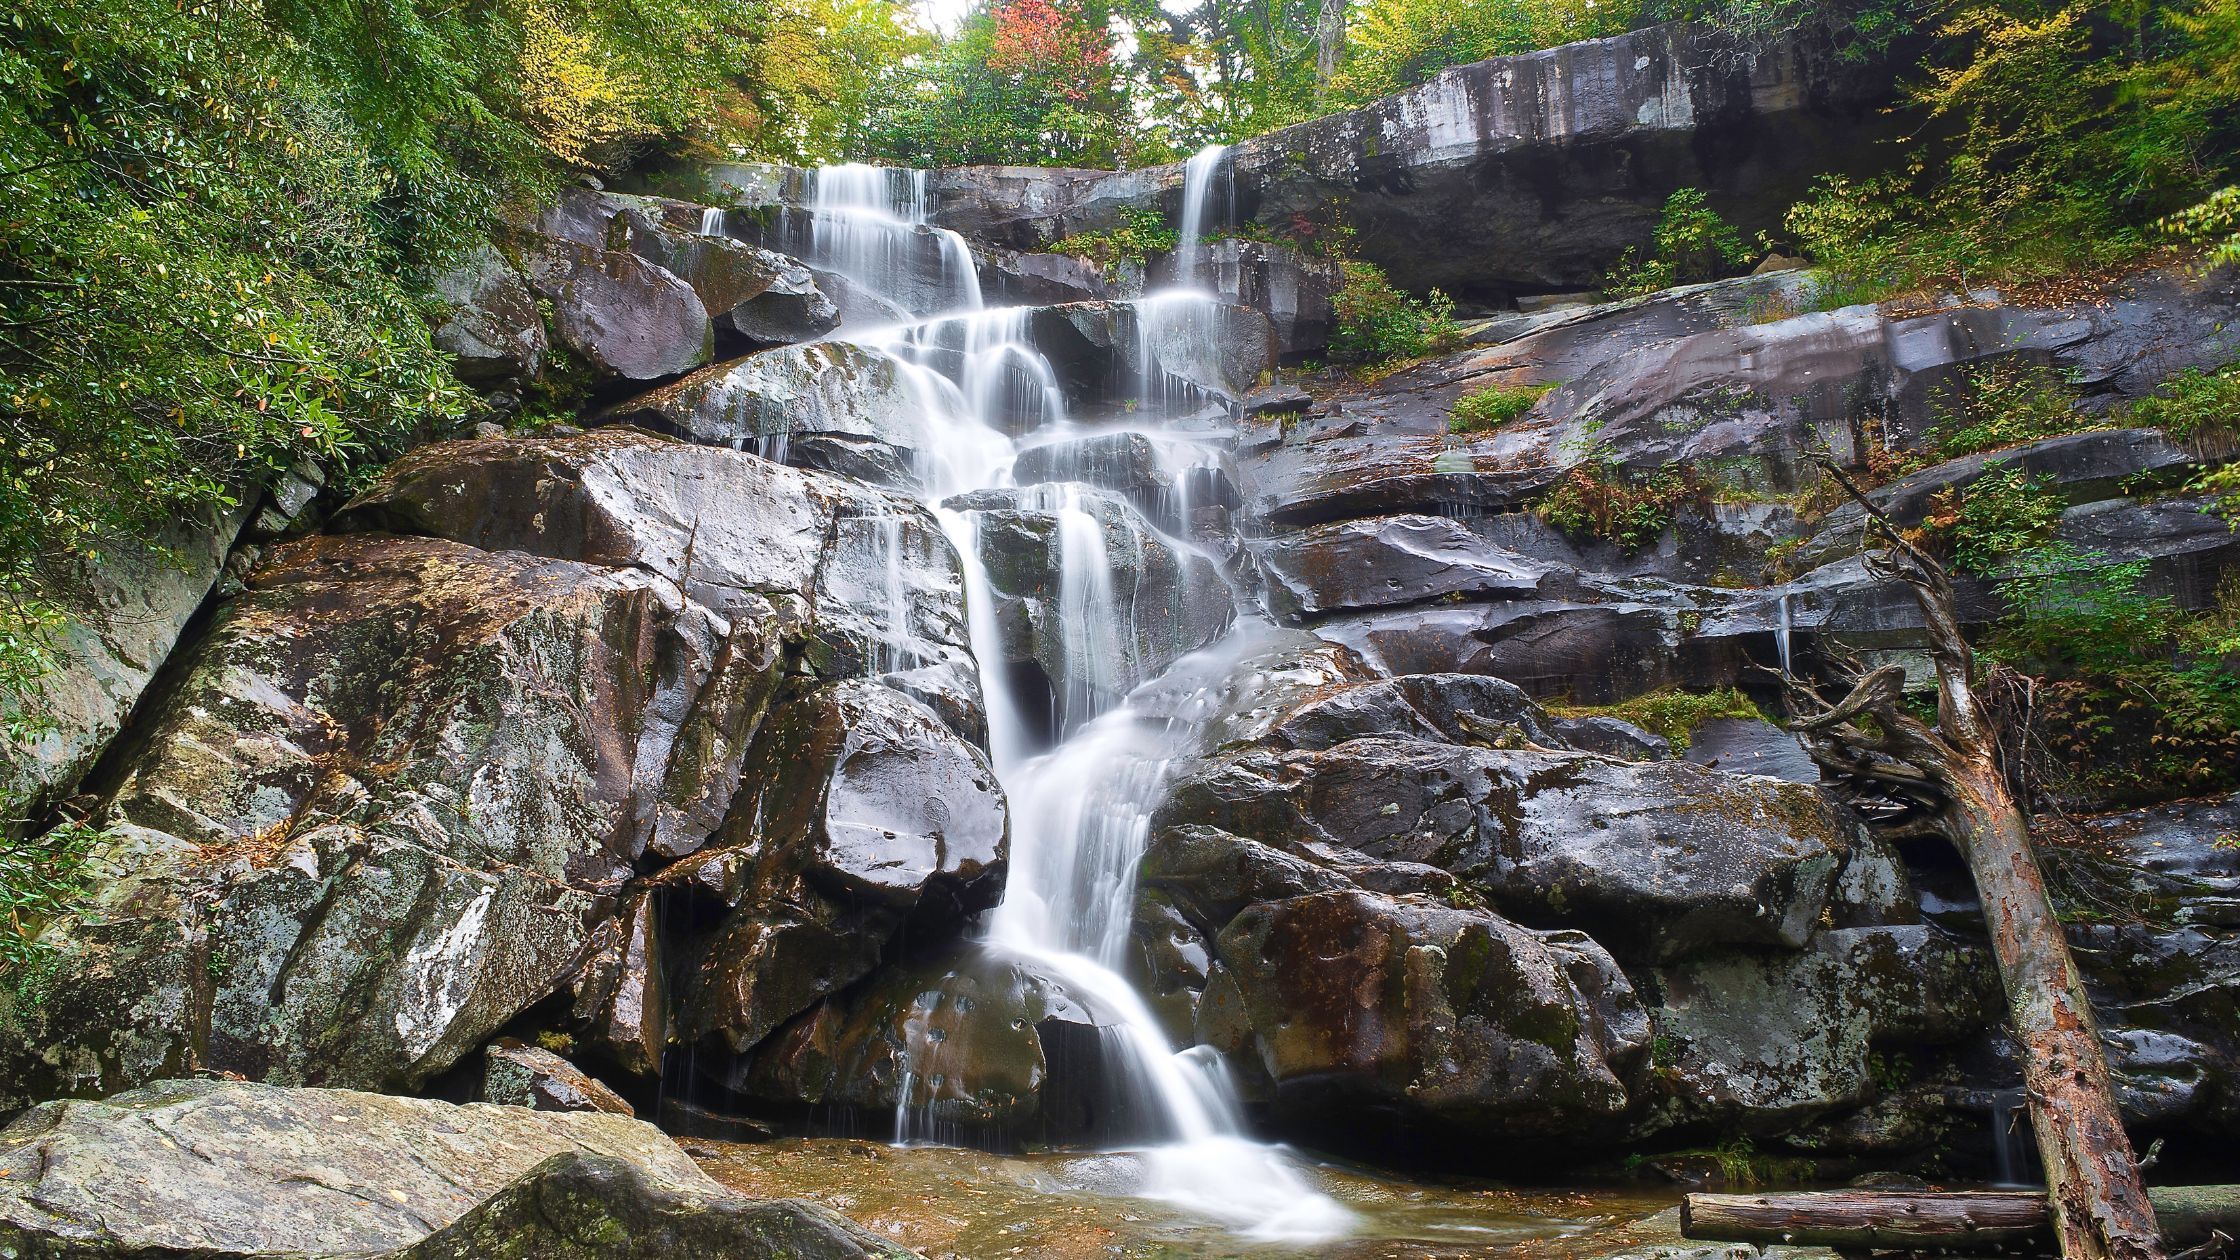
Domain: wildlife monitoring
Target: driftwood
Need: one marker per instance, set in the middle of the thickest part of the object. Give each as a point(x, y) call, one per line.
point(2099, 1206)
point(1975, 1222)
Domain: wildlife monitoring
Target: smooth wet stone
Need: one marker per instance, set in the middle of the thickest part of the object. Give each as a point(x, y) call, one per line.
point(858, 815)
point(1663, 856)
point(491, 329)
point(1389, 562)
point(965, 1040)
point(1348, 1002)
point(627, 319)
point(515, 1074)
point(1786, 1037)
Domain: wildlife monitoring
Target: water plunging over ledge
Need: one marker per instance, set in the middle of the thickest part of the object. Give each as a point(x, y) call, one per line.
point(1080, 810)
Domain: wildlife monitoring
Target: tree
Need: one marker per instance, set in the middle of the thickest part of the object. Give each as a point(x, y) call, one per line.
point(2097, 1202)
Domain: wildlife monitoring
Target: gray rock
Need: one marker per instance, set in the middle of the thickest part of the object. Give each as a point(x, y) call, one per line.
point(1786, 1037)
point(1164, 477)
point(492, 329)
point(518, 1075)
point(214, 1168)
point(327, 867)
point(109, 647)
point(1294, 289)
point(1452, 1018)
point(626, 318)
point(1388, 562)
point(578, 1206)
point(1663, 856)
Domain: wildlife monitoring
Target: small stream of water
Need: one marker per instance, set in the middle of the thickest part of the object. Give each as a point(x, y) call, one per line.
point(1080, 811)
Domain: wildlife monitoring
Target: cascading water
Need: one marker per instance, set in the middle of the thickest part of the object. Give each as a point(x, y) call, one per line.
point(869, 223)
point(1200, 180)
point(1080, 810)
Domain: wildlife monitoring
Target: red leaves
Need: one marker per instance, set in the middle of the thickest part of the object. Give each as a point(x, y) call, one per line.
point(1052, 42)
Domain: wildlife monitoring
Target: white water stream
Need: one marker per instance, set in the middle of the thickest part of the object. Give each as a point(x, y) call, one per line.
point(1080, 811)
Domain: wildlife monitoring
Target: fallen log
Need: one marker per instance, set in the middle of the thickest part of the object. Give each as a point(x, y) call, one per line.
point(1975, 1221)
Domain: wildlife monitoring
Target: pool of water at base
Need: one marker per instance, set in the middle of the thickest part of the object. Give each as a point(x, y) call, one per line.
point(950, 1204)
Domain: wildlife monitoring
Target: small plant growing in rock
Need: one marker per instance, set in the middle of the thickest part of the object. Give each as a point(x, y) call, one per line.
point(42, 878)
point(1995, 517)
point(2006, 404)
point(1483, 410)
point(1599, 500)
point(1692, 243)
point(1378, 324)
point(1671, 714)
point(1142, 233)
point(2195, 406)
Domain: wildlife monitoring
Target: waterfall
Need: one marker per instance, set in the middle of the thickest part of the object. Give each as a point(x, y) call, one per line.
point(870, 224)
point(1781, 631)
point(711, 221)
point(1198, 177)
point(1080, 810)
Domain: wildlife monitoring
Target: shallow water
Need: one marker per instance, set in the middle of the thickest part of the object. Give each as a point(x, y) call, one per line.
point(944, 1202)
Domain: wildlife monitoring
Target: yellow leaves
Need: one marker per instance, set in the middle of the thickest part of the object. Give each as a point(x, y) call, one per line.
point(576, 93)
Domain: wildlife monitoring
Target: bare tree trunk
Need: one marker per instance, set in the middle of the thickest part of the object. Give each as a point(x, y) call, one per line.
point(1330, 43)
point(2098, 1204)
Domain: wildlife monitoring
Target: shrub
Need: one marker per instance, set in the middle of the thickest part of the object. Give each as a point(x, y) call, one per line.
point(1481, 410)
point(2193, 406)
point(2141, 700)
point(1377, 323)
point(1996, 517)
point(1671, 713)
point(2005, 404)
point(1142, 233)
point(1599, 500)
point(1691, 243)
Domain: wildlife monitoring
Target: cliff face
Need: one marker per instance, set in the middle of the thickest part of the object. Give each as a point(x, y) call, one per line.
point(1518, 175)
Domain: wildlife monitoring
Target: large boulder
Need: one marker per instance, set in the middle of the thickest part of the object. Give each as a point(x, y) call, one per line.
point(969, 1044)
point(858, 813)
point(393, 788)
point(491, 327)
point(1346, 1002)
point(216, 1169)
point(625, 318)
point(831, 405)
point(1661, 856)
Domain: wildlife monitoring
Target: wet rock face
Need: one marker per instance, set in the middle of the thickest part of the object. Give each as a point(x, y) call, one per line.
point(2163, 975)
point(1783, 1038)
point(1666, 855)
point(375, 819)
point(1294, 289)
point(1167, 480)
point(965, 1041)
point(228, 1169)
point(399, 793)
point(1143, 603)
point(831, 405)
point(626, 318)
point(494, 333)
point(1447, 1016)
point(1520, 174)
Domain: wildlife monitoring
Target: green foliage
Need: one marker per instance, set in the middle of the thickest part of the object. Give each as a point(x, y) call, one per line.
point(212, 216)
point(1377, 323)
point(2140, 700)
point(2214, 222)
point(1996, 517)
point(1396, 44)
point(2057, 139)
point(2193, 406)
point(1691, 243)
point(1600, 500)
point(2222, 485)
point(42, 879)
point(2005, 404)
point(1142, 233)
point(1671, 713)
point(1486, 409)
